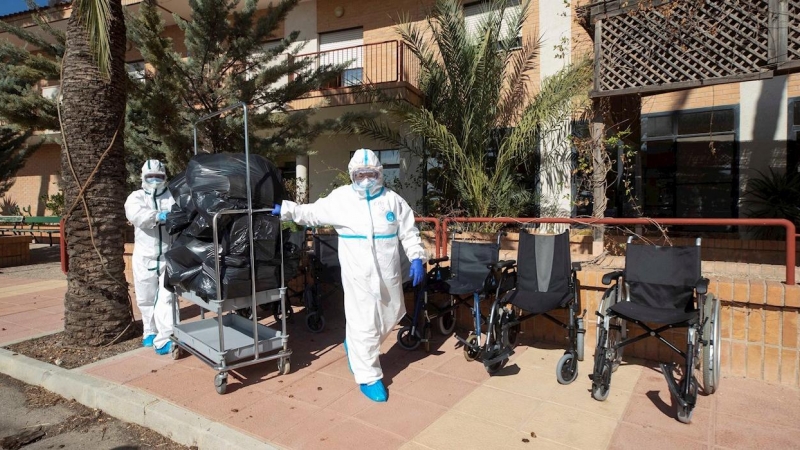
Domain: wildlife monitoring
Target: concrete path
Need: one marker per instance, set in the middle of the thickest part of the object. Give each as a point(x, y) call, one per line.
point(438, 400)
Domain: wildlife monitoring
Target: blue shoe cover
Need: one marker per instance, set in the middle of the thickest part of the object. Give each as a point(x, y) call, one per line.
point(375, 391)
point(148, 340)
point(164, 350)
point(347, 355)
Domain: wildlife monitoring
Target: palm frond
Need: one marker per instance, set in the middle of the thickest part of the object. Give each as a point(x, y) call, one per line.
point(95, 16)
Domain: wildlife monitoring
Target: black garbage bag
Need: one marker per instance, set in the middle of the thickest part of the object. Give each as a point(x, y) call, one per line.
point(236, 280)
point(179, 219)
point(180, 190)
point(182, 268)
point(265, 236)
point(225, 174)
point(207, 205)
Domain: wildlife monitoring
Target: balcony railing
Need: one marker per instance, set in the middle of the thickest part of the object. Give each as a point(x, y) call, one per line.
point(368, 64)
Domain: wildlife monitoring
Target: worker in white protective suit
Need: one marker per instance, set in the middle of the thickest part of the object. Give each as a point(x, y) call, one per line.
point(372, 222)
point(147, 210)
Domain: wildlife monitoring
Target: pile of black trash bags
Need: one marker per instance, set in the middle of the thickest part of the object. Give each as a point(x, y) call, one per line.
point(213, 183)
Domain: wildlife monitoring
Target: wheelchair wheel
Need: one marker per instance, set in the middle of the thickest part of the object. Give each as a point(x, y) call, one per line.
point(407, 339)
point(618, 328)
point(493, 368)
point(471, 349)
point(711, 354)
point(567, 369)
point(315, 322)
point(426, 335)
point(600, 390)
point(510, 334)
point(446, 322)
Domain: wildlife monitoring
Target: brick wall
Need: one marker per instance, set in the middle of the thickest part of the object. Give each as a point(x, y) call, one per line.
point(38, 177)
point(14, 250)
point(793, 85)
point(703, 97)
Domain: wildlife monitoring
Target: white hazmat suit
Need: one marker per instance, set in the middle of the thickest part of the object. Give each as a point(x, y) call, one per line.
point(372, 224)
point(142, 208)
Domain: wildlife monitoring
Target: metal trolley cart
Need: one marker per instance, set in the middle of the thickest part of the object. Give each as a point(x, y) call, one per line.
point(228, 341)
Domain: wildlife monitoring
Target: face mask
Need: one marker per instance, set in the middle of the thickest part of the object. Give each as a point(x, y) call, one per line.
point(366, 183)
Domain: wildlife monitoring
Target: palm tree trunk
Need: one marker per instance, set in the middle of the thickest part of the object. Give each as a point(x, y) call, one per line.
point(97, 305)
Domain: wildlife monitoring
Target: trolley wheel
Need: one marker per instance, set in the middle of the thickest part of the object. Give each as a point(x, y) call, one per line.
point(407, 339)
point(581, 336)
point(247, 313)
point(711, 353)
point(277, 312)
point(446, 321)
point(175, 352)
point(471, 349)
point(315, 322)
point(284, 366)
point(221, 382)
point(600, 390)
point(567, 368)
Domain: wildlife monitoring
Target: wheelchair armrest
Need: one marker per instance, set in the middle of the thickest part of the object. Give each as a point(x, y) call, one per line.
point(576, 267)
point(438, 260)
point(612, 276)
point(702, 286)
point(502, 264)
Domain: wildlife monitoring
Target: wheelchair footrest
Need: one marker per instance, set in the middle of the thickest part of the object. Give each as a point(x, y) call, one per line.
point(505, 354)
point(672, 384)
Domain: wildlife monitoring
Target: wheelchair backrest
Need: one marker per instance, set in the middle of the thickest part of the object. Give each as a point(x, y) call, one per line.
point(468, 261)
point(543, 263)
point(326, 250)
point(662, 277)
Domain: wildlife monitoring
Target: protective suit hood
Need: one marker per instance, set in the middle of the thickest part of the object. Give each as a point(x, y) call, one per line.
point(366, 159)
point(153, 167)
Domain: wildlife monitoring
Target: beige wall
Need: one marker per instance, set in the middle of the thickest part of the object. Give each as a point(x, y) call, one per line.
point(704, 97)
point(38, 177)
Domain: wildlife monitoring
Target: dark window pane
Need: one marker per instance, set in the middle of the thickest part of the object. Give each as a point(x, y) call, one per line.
point(704, 200)
point(704, 162)
point(389, 157)
point(390, 176)
point(705, 122)
point(658, 179)
point(796, 112)
point(659, 126)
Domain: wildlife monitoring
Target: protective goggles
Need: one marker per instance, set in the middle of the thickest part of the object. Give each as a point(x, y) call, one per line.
point(365, 174)
point(155, 176)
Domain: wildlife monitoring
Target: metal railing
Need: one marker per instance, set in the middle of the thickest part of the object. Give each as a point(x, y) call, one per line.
point(437, 232)
point(381, 62)
point(791, 232)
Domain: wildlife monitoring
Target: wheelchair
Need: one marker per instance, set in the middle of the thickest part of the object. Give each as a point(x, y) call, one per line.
point(662, 286)
point(546, 281)
point(325, 273)
point(467, 276)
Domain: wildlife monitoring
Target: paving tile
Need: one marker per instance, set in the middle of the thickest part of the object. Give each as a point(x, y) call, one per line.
point(495, 405)
point(271, 416)
point(176, 384)
point(473, 371)
point(525, 380)
point(739, 433)
point(338, 369)
point(455, 430)
point(396, 378)
point(355, 435)
point(128, 369)
point(218, 407)
point(317, 389)
point(312, 432)
point(658, 411)
point(402, 415)
point(352, 403)
point(439, 389)
point(414, 446)
point(759, 402)
point(630, 436)
point(568, 426)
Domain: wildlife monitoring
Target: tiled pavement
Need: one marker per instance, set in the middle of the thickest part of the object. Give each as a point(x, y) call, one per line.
point(438, 400)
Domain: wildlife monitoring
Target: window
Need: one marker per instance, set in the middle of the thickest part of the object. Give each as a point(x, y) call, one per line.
point(793, 141)
point(343, 47)
point(135, 70)
point(390, 159)
point(476, 15)
point(688, 164)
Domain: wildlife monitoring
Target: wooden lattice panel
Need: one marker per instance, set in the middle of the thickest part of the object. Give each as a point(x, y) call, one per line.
point(682, 42)
point(793, 46)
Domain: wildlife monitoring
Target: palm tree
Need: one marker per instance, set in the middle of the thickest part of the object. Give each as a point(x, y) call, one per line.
point(479, 122)
point(97, 304)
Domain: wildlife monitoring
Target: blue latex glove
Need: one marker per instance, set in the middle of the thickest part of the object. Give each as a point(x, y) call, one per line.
point(162, 216)
point(276, 210)
point(417, 272)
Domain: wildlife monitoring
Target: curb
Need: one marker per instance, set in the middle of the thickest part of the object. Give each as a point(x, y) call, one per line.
point(127, 404)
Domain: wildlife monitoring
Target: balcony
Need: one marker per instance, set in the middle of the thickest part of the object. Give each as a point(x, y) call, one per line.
point(387, 66)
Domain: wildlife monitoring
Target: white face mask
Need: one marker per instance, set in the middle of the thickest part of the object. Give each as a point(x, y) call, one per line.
point(366, 184)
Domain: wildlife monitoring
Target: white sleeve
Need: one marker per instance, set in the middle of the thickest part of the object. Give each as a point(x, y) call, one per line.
point(138, 213)
point(408, 233)
point(325, 211)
